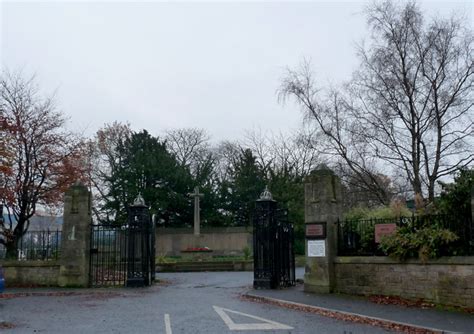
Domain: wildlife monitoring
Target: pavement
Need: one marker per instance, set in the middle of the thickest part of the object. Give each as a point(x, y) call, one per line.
point(442, 321)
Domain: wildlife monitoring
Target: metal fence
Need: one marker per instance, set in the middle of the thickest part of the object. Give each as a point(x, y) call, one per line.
point(123, 255)
point(357, 237)
point(36, 245)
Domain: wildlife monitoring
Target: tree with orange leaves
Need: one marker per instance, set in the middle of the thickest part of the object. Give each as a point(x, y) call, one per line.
point(39, 158)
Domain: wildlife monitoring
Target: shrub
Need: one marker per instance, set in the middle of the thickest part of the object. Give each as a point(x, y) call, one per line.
point(395, 210)
point(163, 259)
point(299, 246)
point(247, 253)
point(425, 243)
point(357, 213)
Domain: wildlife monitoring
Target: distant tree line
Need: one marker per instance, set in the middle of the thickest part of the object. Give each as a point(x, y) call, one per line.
point(231, 175)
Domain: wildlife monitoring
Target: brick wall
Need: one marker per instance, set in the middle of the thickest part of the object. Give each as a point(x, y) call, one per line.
point(30, 273)
point(448, 281)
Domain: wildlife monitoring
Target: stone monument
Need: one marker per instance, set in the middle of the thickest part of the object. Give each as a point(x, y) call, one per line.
point(197, 219)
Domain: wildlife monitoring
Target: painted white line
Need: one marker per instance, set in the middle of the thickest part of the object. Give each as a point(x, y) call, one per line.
point(285, 303)
point(168, 324)
point(266, 325)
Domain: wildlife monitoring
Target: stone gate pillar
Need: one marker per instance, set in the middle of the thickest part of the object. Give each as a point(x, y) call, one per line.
point(75, 238)
point(323, 207)
point(472, 217)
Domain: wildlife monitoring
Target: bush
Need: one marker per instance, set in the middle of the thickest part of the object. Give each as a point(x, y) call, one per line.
point(247, 253)
point(299, 247)
point(300, 240)
point(394, 211)
point(425, 243)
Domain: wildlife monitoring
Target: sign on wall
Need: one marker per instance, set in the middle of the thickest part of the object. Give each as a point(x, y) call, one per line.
point(316, 248)
point(382, 230)
point(316, 230)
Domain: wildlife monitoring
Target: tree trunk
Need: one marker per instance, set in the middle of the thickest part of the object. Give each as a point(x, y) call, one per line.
point(11, 248)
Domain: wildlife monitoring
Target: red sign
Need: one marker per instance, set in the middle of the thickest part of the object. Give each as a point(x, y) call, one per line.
point(383, 229)
point(316, 230)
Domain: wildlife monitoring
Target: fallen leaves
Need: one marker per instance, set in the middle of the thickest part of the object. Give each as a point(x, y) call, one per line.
point(6, 325)
point(420, 303)
point(93, 295)
point(395, 300)
point(386, 324)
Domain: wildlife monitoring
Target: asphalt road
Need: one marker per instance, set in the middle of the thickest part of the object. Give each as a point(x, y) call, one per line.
point(186, 303)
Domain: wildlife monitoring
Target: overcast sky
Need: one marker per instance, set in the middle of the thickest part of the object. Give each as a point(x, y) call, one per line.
point(161, 65)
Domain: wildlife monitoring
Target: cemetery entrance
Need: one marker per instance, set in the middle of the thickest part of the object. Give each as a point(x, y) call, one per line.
point(124, 255)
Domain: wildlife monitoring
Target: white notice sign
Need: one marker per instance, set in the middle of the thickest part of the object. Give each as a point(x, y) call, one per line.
point(316, 248)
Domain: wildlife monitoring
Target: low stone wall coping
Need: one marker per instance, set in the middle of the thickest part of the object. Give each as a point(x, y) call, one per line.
point(206, 262)
point(204, 230)
point(30, 263)
point(465, 260)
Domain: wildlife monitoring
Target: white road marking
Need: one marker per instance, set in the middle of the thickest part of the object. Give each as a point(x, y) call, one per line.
point(266, 325)
point(168, 324)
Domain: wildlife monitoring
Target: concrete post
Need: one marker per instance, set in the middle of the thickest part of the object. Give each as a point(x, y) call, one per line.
point(323, 207)
point(75, 239)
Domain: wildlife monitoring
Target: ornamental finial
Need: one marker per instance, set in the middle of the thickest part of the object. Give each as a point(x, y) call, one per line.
point(266, 195)
point(139, 200)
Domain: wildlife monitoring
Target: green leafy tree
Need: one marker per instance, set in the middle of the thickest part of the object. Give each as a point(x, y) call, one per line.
point(288, 190)
point(147, 167)
point(243, 189)
point(456, 197)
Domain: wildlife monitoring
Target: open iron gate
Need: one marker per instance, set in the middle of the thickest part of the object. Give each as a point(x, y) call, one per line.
point(273, 241)
point(124, 255)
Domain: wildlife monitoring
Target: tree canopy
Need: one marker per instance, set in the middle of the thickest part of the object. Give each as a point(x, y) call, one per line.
point(408, 107)
point(39, 158)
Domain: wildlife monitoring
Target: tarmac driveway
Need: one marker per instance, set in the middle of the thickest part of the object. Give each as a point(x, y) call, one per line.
point(183, 303)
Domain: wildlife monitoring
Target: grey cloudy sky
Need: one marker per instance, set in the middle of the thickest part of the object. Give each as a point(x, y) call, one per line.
point(160, 65)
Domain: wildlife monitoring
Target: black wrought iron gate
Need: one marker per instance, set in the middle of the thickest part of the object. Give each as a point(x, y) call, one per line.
point(124, 255)
point(273, 240)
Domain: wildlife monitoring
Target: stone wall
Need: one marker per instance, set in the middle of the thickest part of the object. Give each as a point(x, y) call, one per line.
point(222, 241)
point(447, 281)
point(31, 273)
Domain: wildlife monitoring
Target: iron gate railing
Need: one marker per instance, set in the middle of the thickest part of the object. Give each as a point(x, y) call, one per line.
point(36, 245)
point(124, 255)
point(357, 237)
point(108, 255)
point(273, 241)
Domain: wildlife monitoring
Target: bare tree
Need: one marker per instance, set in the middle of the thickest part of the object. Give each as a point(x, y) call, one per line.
point(293, 153)
point(227, 154)
point(104, 159)
point(337, 124)
point(296, 152)
point(41, 158)
point(408, 107)
point(189, 145)
point(260, 144)
point(414, 93)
